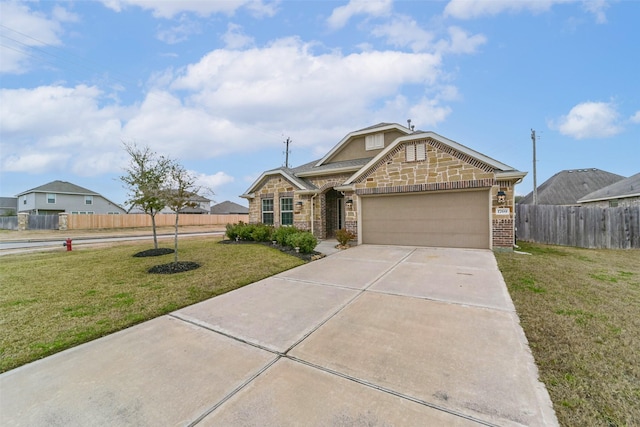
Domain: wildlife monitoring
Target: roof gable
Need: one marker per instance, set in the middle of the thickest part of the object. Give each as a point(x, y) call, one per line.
point(568, 186)
point(344, 142)
point(286, 173)
point(60, 187)
point(439, 142)
point(629, 187)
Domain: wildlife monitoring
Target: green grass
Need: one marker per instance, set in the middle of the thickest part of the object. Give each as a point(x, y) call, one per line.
point(580, 310)
point(51, 301)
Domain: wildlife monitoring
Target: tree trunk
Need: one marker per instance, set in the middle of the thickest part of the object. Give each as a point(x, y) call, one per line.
point(153, 226)
point(175, 242)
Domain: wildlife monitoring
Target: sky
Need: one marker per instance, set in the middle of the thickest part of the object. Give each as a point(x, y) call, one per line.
point(220, 85)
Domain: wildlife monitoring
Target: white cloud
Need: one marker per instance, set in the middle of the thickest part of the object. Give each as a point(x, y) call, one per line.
point(403, 31)
point(341, 15)
point(636, 117)
point(169, 8)
point(180, 32)
point(461, 42)
point(235, 38)
point(23, 29)
point(58, 127)
point(231, 102)
point(470, 9)
point(589, 120)
point(211, 182)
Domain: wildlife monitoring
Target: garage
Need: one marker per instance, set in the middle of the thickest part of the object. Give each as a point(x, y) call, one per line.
point(454, 219)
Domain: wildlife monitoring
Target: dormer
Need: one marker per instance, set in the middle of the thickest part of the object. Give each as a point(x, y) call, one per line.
point(364, 143)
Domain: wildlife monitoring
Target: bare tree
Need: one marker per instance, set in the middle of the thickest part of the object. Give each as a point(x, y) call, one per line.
point(179, 192)
point(144, 178)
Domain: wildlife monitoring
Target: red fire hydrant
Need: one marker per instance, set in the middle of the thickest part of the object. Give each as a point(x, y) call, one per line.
point(67, 243)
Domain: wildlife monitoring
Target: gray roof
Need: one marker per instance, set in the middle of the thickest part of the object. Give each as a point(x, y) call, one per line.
point(60, 187)
point(629, 187)
point(227, 207)
point(309, 167)
point(568, 186)
point(9, 202)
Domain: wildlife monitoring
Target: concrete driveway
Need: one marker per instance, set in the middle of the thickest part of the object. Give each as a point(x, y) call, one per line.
point(371, 336)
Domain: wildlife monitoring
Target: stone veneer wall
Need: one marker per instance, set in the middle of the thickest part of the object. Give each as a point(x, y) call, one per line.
point(443, 169)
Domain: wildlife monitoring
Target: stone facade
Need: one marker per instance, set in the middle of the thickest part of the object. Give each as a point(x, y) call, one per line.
point(443, 168)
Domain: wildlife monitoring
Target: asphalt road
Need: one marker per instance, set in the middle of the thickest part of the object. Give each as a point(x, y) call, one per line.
point(12, 247)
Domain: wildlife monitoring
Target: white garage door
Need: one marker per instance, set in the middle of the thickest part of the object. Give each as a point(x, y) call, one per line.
point(446, 219)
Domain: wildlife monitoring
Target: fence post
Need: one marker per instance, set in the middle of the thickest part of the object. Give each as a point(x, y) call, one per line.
point(23, 221)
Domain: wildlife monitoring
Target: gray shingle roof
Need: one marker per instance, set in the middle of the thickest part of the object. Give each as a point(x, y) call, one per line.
point(309, 167)
point(228, 207)
point(9, 202)
point(60, 187)
point(568, 186)
point(628, 187)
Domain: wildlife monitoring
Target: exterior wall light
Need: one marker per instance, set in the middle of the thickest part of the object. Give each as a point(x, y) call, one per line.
point(349, 204)
point(299, 204)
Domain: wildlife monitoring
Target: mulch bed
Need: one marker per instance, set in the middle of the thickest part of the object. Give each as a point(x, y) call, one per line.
point(286, 249)
point(174, 267)
point(154, 252)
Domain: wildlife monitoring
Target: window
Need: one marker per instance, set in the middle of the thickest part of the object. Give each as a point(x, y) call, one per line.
point(416, 152)
point(613, 203)
point(88, 200)
point(374, 142)
point(286, 211)
point(267, 211)
point(51, 198)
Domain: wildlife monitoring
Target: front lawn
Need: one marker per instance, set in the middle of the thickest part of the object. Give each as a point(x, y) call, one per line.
point(580, 310)
point(50, 301)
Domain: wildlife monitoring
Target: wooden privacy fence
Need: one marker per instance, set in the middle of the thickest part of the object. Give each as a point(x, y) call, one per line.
point(584, 227)
point(80, 222)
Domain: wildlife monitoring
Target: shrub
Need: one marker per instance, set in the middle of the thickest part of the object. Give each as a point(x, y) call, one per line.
point(282, 234)
point(343, 236)
point(304, 240)
point(232, 230)
point(246, 231)
point(262, 233)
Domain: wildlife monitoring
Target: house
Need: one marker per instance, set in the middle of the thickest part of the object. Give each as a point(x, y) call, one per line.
point(229, 208)
point(390, 185)
point(61, 196)
point(567, 186)
point(200, 205)
point(8, 206)
point(623, 193)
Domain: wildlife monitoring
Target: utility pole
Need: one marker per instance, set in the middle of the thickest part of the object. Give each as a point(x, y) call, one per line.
point(286, 157)
point(535, 185)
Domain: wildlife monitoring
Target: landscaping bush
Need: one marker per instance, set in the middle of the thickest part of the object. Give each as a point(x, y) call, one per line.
point(281, 235)
point(262, 233)
point(304, 240)
point(232, 230)
point(343, 236)
point(246, 231)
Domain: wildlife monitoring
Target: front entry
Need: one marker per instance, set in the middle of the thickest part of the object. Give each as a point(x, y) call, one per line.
point(334, 212)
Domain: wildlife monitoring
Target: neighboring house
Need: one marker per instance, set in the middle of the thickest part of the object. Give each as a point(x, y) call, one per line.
point(389, 185)
point(61, 196)
point(8, 206)
point(623, 193)
point(203, 205)
point(568, 186)
point(229, 208)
